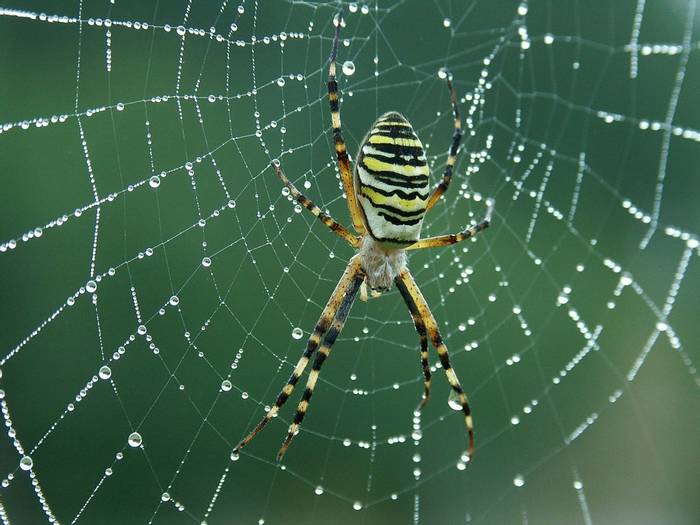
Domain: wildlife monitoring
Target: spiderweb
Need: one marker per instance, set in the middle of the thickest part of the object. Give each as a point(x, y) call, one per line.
point(157, 284)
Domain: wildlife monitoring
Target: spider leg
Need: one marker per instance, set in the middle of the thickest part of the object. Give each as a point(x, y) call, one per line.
point(453, 238)
point(323, 352)
point(407, 286)
point(420, 328)
point(336, 300)
point(340, 149)
point(452, 156)
point(326, 219)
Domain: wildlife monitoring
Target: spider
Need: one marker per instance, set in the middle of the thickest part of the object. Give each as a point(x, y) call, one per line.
point(388, 195)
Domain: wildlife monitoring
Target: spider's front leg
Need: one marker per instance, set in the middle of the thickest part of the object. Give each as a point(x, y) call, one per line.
point(422, 335)
point(323, 352)
point(334, 306)
point(408, 288)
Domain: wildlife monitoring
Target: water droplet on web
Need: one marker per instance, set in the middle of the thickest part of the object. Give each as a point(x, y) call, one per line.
point(518, 481)
point(297, 208)
point(357, 505)
point(522, 9)
point(26, 463)
point(234, 456)
point(352, 7)
point(174, 300)
point(297, 333)
point(154, 181)
point(105, 372)
point(442, 73)
point(281, 82)
point(348, 68)
point(226, 385)
point(338, 19)
point(447, 22)
point(91, 286)
point(135, 439)
point(165, 496)
point(453, 401)
point(206, 262)
point(318, 490)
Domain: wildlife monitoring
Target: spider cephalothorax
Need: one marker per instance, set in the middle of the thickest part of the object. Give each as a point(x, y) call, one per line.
point(388, 195)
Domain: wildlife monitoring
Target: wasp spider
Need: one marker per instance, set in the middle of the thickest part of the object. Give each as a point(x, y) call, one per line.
point(388, 195)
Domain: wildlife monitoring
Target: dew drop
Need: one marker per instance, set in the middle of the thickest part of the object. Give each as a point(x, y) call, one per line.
point(453, 401)
point(174, 300)
point(447, 22)
point(154, 181)
point(135, 439)
point(26, 463)
point(91, 286)
point(348, 68)
point(105, 372)
point(297, 333)
point(318, 490)
point(226, 385)
point(206, 262)
point(518, 481)
point(234, 456)
point(357, 505)
point(281, 81)
point(442, 73)
point(165, 496)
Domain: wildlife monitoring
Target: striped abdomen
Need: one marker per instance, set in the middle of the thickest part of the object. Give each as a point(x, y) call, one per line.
point(391, 181)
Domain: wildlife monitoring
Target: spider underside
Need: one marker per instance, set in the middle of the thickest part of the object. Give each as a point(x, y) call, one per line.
point(388, 195)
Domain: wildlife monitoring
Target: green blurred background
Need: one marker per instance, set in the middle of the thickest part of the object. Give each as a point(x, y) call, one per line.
point(203, 110)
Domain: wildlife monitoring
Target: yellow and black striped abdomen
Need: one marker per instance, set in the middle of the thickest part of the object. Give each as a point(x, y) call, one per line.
point(391, 181)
